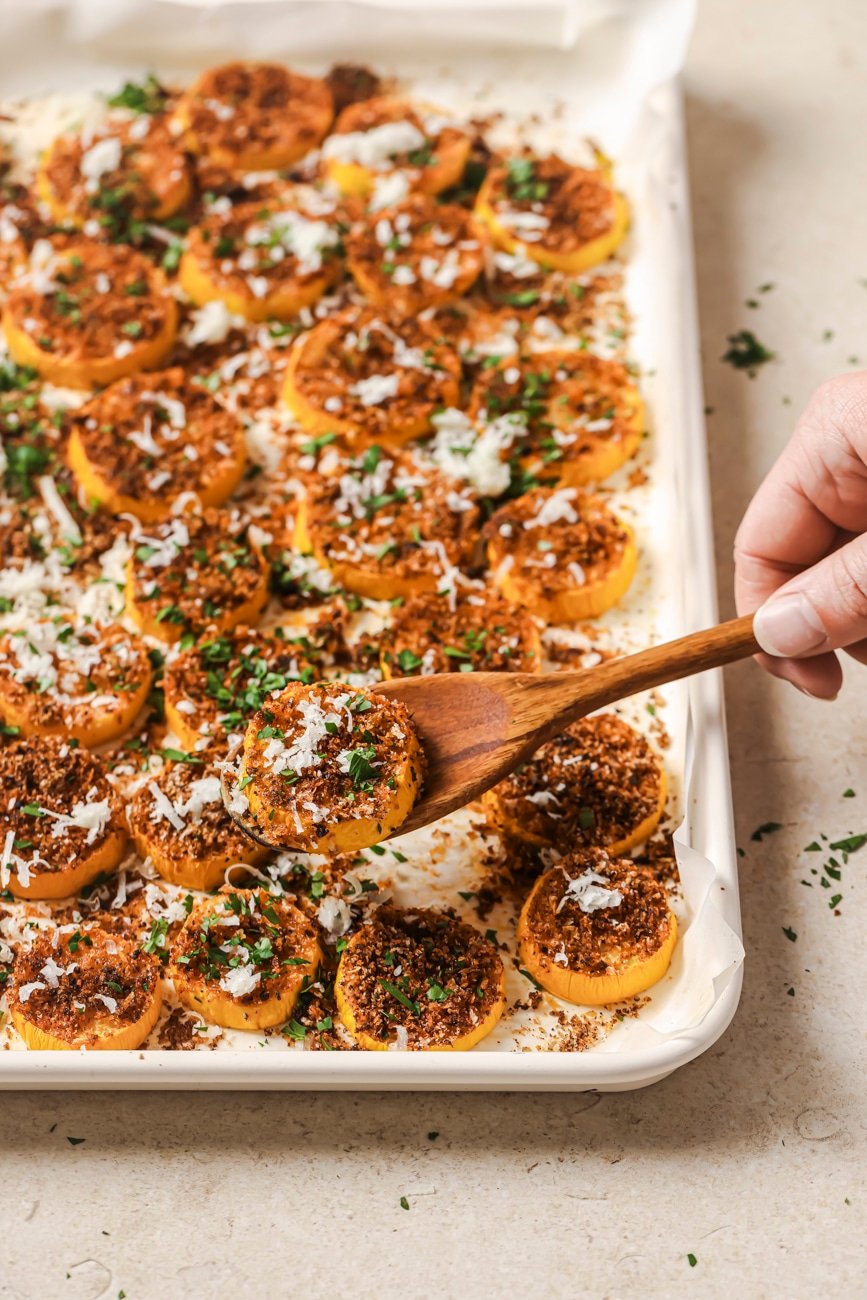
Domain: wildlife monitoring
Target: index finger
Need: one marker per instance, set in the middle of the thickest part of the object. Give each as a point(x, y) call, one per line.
point(813, 498)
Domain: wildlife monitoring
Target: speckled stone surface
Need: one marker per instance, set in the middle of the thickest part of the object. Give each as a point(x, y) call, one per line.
point(752, 1159)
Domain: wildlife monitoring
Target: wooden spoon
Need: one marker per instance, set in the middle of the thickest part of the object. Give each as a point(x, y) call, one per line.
point(476, 728)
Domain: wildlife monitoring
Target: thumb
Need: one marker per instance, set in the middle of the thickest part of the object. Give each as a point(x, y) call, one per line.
point(824, 608)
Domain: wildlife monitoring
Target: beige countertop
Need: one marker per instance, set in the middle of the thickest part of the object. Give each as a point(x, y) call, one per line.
point(752, 1159)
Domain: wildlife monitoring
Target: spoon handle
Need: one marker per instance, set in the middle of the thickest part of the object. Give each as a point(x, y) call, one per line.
point(711, 648)
point(583, 692)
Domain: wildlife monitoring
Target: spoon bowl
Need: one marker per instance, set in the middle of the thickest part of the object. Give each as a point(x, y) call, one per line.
point(476, 728)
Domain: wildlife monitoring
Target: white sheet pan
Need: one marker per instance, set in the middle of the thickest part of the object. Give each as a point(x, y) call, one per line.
point(614, 66)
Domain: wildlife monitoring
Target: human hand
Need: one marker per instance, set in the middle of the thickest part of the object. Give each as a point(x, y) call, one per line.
point(801, 549)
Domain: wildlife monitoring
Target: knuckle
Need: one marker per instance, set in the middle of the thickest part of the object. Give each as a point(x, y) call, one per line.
point(850, 578)
point(840, 403)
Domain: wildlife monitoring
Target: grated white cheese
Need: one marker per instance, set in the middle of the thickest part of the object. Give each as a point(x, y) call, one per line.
point(335, 917)
point(555, 509)
point(376, 389)
point(294, 233)
point(211, 323)
point(91, 815)
point(389, 189)
point(239, 981)
point(203, 792)
point(172, 539)
point(528, 225)
point(376, 148)
point(57, 506)
point(515, 265)
point(173, 407)
point(545, 799)
point(100, 158)
point(27, 989)
point(52, 973)
point(590, 892)
point(164, 809)
point(474, 453)
point(300, 752)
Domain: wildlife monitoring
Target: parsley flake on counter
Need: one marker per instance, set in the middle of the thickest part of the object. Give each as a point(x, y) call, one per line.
point(404, 1203)
point(849, 845)
point(789, 933)
point(766, 828)
point(745, 352)
point(692, 1260)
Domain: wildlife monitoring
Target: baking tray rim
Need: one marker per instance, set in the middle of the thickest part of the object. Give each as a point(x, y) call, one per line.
point(531, 1070)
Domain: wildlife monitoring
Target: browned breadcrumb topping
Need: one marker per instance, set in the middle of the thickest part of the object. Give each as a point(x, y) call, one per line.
point(248, 249)
point(226, 677)
point(606, 939)
point(45, 776)
point(106, 981)
point(218, 179)
point(193, 791)
point(64, 674)
point(657, 726)
point(574, 303)
point(376, 376)
point(245, 374)
point(212, 568)
point(22, 223)
point(573, 402)
point(576, 202)
point(115, 903)
point(181, 1031)
point(436, 358)
point(416, 254)
point(150, 168)
point(106, 300)
point(350, 83)
point(247, 928)
point(585, 534)
point(658, 857)
point(28, 530)
point(21, 542)
point(576, 1033)
point(159, 435)
point(331, 632)
point(421, 971)
point(388, 512)
point(511, 318)
point(239, 107)
point(579, 655)
point(478, 632)
point(349, 747)
point(591, 786)
point(506, 867)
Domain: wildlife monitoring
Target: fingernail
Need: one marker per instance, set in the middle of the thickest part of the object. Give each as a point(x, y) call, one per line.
point(788, 626)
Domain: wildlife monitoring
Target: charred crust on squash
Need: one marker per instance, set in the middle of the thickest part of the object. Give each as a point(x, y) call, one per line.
point(420, 976)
